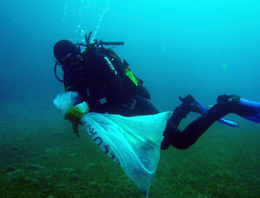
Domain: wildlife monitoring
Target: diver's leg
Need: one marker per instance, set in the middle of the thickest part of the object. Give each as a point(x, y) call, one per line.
point(179, 113)
point(183, 140)
point(183, 110)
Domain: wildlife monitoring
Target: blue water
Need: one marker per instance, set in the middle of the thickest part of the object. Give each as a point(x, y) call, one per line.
point(204, 48)
point(178, 47)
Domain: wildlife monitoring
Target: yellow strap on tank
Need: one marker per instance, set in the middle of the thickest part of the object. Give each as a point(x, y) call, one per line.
point(131, 75)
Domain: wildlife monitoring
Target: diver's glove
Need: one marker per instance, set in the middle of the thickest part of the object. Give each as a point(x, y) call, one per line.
point(74, 114)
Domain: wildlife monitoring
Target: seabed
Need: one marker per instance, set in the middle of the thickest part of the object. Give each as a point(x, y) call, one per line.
point(41, 157)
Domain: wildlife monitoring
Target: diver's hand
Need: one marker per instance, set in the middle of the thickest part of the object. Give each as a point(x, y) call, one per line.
point(75, 113)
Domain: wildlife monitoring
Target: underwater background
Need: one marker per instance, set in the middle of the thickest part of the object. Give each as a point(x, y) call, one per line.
point(179, 47)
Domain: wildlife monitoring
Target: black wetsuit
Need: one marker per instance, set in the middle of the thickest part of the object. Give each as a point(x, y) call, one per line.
point(98, 82)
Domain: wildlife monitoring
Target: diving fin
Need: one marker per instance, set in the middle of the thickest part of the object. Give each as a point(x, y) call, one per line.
point(255, 117)
point(203, 109)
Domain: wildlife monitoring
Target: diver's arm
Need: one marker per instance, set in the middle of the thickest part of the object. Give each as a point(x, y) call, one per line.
point(68, 83)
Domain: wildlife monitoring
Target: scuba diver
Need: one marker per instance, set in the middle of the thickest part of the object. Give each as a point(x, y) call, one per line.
point(106, 84)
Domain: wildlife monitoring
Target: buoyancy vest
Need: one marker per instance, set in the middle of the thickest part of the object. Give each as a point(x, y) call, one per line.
point(90, 90)
point(132, 84)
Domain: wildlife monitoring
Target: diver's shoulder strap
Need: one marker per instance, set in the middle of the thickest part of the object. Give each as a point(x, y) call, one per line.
point(132, 84)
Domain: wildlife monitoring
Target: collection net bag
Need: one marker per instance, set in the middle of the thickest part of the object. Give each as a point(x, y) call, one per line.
point(132, 142)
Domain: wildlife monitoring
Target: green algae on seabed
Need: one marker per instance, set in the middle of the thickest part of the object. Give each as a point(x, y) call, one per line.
point(42, 159)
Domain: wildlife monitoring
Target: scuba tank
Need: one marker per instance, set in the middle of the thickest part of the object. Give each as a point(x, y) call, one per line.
point(132, 84)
